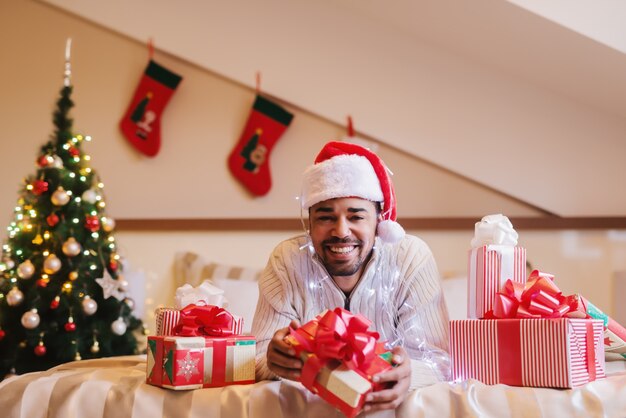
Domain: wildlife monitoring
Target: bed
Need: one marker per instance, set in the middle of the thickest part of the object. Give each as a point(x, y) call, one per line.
point(115, 387)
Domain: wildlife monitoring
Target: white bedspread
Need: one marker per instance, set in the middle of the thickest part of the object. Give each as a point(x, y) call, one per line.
point(115, 387)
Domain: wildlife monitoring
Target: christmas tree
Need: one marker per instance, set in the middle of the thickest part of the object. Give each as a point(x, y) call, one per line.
point(62, 292)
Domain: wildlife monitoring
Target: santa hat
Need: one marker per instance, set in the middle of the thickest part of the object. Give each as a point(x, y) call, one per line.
point(342, 169)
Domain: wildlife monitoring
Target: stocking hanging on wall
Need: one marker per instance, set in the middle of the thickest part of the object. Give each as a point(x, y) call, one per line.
point(249, 160)
point(142, 122)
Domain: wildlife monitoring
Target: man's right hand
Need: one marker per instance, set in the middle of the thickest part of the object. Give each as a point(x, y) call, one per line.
point(281, 357)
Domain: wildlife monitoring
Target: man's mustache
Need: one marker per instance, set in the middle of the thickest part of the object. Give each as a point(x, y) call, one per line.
point(336, 240)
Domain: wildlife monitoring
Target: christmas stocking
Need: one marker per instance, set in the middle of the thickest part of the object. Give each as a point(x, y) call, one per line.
point(142, 122)
point(249, 160)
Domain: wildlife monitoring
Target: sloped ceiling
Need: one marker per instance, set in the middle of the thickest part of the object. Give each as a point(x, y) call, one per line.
point(485, 88)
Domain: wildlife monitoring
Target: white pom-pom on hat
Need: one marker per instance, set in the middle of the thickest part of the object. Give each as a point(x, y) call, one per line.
point(343, 169)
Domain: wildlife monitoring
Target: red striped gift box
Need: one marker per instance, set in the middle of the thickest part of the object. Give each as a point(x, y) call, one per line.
point(167, 318)
point(489, 268)
point(556, 353)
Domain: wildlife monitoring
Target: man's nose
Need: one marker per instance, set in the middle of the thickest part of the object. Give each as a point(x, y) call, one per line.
point(342, 229)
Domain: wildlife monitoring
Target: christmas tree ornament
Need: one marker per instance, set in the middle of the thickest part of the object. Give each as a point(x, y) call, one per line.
point(51, 264)
point(2, 334)
point(130, 303)
point(26, 269)
point(57, 162)
point(60, 197)
point(70, 326)
point(30, 319)
point(73, 151)
point(39, 187)
point(249, 160)
point(141, 124)
point(108, 224)
point(109, 286)
point(90, 306)
point(22, 344)
point(73, 275)
point(52, 219)
point(37, 240)
point(43, 282)
point(92, 223)
point(95, 348)
point(90, 196)
point(40, 349)
point(15, 297)
point(44, 161)
point(9, 264)
point(77, 357)
point(55, 302)
point(71, 247)
point(118, 326)
point(113, 264)
point(122, 283)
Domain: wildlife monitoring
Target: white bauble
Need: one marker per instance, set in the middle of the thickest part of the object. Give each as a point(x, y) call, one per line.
point(60, 197)
point(30, 319)
point(9, 263)
point(57, 162)
point(108, 224)
point(90, 306)
point(15, 297)
point(90, 196)
point(118, 326)
point(71, 247)
point(51, 264)
point(26, 269)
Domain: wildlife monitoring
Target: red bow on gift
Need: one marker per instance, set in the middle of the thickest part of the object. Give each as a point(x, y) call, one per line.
point(205, 320)
point(342, 336)
point(538, 298)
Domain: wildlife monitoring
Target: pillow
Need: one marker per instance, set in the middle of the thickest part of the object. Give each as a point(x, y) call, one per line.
point(238, 283)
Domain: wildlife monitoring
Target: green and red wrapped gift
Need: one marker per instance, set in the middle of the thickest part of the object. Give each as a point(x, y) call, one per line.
point(340, 358)
point(203, 352)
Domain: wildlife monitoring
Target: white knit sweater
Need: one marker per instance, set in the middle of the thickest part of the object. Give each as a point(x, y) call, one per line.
point(399, 292)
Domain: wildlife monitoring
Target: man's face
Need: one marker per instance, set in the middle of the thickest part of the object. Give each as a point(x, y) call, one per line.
point(343, 232)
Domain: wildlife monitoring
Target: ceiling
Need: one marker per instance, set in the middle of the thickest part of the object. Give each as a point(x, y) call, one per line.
point(508, 97)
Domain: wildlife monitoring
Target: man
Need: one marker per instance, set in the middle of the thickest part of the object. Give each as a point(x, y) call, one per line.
point(355, 256)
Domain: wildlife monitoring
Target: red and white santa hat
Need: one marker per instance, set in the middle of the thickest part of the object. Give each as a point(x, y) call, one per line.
point(343, 169)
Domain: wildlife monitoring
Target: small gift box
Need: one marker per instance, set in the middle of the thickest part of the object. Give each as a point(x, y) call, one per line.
point(534, 336)
point(493, 259)
point(203, 352)
point(340, 358)
point(614, 333)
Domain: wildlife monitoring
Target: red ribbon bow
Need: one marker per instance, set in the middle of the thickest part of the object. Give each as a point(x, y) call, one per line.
point(206, 320)
point(538, 298)
point(342, 336)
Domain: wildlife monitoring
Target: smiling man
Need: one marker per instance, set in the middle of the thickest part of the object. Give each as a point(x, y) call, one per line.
point(356, 256)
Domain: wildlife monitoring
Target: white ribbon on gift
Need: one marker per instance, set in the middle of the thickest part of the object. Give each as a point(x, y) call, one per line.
point(494, 229)
point(507, 271)
point(205, 294)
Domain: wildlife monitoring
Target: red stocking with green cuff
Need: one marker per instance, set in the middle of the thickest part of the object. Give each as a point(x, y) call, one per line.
point(142, 122)
point(249, 160)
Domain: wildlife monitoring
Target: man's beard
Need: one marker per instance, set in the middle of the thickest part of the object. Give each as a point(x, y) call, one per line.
point(335, 269)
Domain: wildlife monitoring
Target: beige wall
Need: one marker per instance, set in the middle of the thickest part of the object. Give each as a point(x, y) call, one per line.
point(189, 178)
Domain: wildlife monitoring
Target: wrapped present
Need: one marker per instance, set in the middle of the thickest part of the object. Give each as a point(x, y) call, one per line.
point(493, 259)
point(203, 352)
point(340, 358)
point(557, 353)
point(614, 333)
point(168, 318)
point(182, 363)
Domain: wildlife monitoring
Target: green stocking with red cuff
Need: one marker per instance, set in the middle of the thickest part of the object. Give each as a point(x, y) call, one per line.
point(249, 160)
point(141, 123)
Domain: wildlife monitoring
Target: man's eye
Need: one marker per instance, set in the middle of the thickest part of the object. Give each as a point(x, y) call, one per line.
point(356, 218)
point(324, 218)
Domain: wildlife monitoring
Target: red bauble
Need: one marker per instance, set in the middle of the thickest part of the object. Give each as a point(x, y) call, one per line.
point(54, 304)
point(42, 283)
point(2, 334)
point(74, 152)
point(52, 219)
point(113, 265)
point(70, 327)
point(43, 161)
point(92, 223)
point(40, 350)
point(39, 187)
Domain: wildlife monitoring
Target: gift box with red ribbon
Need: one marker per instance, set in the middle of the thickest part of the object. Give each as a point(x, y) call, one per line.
point(489, 268)
point(203, 352)
point(533, 336)
point(340, 358)
point(167, 319)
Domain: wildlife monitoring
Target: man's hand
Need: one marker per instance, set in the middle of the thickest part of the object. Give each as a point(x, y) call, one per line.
point(399, 379)
point(281, 357)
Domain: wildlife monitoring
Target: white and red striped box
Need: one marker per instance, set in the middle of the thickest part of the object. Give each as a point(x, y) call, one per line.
point(167, 318)
point(489, 267)
point(555, 353)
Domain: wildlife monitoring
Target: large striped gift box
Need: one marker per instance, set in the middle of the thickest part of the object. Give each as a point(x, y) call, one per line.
point(489, 267)
point(182, 363)
point(167, 318)
point(557, 353)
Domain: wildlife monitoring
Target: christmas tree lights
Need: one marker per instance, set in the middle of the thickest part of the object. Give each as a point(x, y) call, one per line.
point(63, 296)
